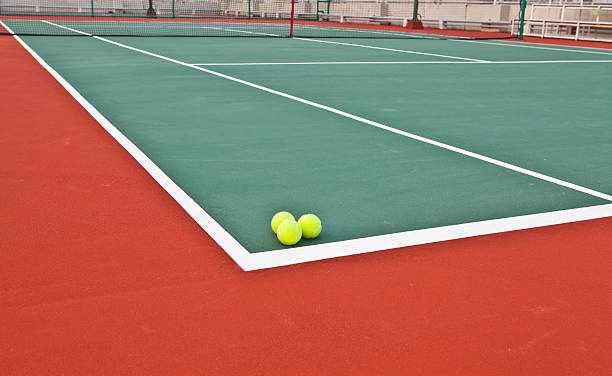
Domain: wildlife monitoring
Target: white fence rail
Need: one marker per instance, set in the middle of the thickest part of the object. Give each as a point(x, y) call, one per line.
point(577, 30)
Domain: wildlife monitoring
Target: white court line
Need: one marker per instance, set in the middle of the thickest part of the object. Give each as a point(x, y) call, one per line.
point(418, 36)
point(286, 256)
point(468, 39)
point(345, 44)
point(388, 49)
point(562, 45)
point(533, 46)
point(239, 31)
point(292, 256)
point(405, 62)
point(522, 44)
point(368, 31)
point(300, 26)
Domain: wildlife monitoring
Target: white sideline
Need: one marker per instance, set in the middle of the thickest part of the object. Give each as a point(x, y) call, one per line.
point(524, 44)
point(330, 42)
point(368, 31)
point(535, 46)
point(248, 261)
point(238, 31)
point(592, 50)
point(406, 62)
point(388, 49)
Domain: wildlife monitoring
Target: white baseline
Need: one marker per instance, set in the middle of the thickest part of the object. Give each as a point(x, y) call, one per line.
point(403, 62)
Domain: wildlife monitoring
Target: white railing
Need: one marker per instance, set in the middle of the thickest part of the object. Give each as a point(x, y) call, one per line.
point(501, 26)
point(568, 21)
point(560, 12)
point(577, 30)
point(571, 2)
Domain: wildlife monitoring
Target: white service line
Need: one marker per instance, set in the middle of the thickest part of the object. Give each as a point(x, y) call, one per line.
point(333, 63)
point(533, 46)
point(238, 31)
point(405, 62)
point(388, 49)
point(368, 31)
point(285, 256)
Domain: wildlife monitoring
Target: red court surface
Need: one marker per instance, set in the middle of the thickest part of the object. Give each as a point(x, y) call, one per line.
point(103, 273)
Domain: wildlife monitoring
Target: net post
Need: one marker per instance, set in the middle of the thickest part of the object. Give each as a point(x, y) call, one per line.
point(522, 24)
point(292, 17)
point(151, 11)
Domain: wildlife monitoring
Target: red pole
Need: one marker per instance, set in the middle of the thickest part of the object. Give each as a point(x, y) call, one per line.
point(292, 12)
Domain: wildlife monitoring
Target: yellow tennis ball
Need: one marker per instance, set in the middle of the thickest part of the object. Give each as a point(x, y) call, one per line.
point(279, 218)
point(289, 232)
point(311, 226)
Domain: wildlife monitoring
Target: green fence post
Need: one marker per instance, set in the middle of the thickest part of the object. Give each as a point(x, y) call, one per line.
point(249, 10)
point(92, 10)
point(522, 25)
point(172, 8)
point(415, 11)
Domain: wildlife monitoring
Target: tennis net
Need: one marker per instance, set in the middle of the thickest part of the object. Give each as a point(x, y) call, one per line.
point(208, 18)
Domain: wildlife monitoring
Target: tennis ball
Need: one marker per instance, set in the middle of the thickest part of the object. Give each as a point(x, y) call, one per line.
point(311, 226)
point(289, 232)
point(279, 218)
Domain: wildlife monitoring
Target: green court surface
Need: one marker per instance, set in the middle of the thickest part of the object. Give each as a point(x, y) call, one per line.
point(243, 153)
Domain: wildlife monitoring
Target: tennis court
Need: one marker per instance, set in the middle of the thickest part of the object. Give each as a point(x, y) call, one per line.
point(462, 179)
point(394, 142)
